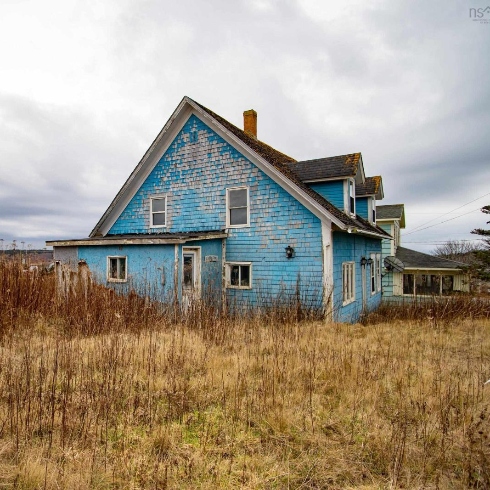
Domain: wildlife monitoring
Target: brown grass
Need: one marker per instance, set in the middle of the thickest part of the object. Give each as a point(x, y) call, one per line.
point(97, 398)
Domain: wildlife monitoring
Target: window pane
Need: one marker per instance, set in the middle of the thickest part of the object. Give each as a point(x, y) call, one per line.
point(238, 198)
point(447, 284)
point(188, 271)
point(122, 268)
point(113, 268)
point(245, 277)
point(407, 283)
point(158, 219)
point(235, 275)
point(238, 216)
point(158, 205)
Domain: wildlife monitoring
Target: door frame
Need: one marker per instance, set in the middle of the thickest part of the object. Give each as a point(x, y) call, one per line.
point(196, 254)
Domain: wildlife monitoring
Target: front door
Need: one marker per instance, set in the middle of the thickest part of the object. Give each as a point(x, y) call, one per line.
point(191, 276)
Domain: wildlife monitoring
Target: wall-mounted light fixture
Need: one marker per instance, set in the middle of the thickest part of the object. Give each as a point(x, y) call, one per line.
point(363, 261)
point(289, 252)
point(370, 261)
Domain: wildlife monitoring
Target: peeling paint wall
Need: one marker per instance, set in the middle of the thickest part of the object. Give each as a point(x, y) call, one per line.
point(194, 174)
point(350, 247)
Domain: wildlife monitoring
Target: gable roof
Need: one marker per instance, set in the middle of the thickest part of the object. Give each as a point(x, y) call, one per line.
point(391, 212)
point(418, 260)
point(274, 163)
point(373, 186)
point(340, 166)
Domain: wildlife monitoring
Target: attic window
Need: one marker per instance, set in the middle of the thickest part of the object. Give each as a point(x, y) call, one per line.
point(158, 212)
point(237, 207)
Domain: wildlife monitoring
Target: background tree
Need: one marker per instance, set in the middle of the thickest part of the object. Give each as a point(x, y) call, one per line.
point(458, 250)
point(483, 256)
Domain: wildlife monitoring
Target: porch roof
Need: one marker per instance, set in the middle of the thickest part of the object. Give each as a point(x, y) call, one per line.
point(142, 239)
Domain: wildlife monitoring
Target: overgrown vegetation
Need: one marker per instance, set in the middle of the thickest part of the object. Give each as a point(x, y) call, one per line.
point(106, 392)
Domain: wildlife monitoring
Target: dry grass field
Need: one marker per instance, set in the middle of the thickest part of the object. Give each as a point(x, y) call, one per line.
point(103, 392)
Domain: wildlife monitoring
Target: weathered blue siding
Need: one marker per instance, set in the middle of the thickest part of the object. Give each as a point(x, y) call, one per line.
point(194, 177)
point(333, 191)
point(351, 248)
point(362, 207)
point(151, 268)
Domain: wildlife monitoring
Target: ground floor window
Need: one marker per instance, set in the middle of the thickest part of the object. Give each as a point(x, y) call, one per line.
point(348, 282)
point(427, 284)
point(239, 275)
point(116, 269)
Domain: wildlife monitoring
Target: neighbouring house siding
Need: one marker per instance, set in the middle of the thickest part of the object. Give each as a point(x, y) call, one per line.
point(194, 177)
point(351, 247)
point(333, 191)
point(388, 245)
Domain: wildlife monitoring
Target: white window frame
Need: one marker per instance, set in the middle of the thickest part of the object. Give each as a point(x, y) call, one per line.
point(350, 197)
point(348, 282)
point(228, 268)
point(119, 258)
point(228, 190)
point(372, 210)
point(152, 213)
point(373, 276)
point(378, 272)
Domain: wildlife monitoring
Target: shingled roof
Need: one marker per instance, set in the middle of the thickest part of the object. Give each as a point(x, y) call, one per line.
point(391, 212)
point(327, 168)
point(417, 260)
point(372, 187)
point(280, 161)
point(288, 167)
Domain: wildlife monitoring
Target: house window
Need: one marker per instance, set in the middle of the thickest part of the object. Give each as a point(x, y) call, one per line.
point(373, 273)
point(239, 275)
point(352, 197)
point(348, 282)
point(427, 284)
point(237, 204)
point(373, 212)
point(158, 212)
point(117, 269)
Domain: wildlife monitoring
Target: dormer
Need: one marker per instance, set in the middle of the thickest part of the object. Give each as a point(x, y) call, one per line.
point(391, 218)
point(334, 178)
point(367, 194)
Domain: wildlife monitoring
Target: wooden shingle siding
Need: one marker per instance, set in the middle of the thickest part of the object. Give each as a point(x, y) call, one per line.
point(333, 191)
point(195, 176)
point(362, 208)
point(349, 247)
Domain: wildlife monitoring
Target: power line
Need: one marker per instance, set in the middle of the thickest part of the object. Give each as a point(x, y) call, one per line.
point(449, 212)
point(445, 221)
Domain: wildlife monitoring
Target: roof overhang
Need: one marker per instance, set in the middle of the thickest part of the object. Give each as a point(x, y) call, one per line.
point(185, 109)
point(432, 269)
point(137, 240)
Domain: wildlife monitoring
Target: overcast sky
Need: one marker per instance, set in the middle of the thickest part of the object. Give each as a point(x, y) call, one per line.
point(85, 86)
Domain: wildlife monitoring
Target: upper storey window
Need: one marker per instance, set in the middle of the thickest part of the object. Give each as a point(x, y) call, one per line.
point(158, 212)
point(352, 196)
point(237, 207)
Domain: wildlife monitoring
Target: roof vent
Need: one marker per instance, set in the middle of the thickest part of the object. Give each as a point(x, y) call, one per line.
point(250, 123)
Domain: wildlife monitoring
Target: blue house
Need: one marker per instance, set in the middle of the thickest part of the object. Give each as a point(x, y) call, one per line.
point(210, 212)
